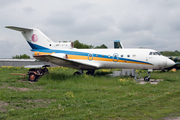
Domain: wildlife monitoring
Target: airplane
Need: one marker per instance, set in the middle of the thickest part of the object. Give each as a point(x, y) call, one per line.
point(63, 54)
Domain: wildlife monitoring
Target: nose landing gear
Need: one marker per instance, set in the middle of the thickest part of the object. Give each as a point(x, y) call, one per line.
point(147, 78)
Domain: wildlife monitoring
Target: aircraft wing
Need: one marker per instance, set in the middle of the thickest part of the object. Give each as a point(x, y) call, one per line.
point(61, 60)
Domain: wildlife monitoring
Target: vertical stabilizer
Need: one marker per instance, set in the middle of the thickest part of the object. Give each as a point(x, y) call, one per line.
point(118, 44)
point(35, 38)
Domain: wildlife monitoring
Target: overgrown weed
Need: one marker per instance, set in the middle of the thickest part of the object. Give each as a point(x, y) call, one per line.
point(60, 95)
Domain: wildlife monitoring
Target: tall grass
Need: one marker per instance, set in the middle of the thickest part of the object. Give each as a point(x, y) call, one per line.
point(60, 95)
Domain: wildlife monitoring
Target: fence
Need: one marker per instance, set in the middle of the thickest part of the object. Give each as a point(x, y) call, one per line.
point(23, 62)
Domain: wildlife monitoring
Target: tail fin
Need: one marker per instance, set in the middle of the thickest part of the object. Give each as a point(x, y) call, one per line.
point(118, 44)
point(35, 38)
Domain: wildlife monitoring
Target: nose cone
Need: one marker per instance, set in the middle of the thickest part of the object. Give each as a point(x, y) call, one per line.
point(170, 63)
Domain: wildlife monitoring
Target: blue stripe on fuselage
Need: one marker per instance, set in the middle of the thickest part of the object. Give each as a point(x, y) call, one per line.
point(37, 47)
point(46, 50)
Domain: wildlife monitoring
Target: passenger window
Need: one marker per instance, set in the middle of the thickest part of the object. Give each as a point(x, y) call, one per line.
point(128, 55)
point(121, 55)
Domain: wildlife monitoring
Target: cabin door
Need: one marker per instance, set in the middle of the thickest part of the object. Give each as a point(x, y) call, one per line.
point(115, 57)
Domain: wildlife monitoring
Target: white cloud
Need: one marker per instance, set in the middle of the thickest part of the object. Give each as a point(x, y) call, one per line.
point(5, 3)
point(151, 24)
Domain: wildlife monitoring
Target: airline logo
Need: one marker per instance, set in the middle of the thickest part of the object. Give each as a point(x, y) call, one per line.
point(90, 56)
point(34, 38)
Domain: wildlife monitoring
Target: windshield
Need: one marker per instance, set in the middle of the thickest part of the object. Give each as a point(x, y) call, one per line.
point(154, 53)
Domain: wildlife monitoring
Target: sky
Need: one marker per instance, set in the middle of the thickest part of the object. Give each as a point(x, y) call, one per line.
point(153, 24)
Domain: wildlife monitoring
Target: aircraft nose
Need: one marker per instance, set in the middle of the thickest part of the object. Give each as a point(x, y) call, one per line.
point(170, 63)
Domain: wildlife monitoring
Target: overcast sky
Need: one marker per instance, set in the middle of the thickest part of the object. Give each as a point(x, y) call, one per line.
point(151, 24)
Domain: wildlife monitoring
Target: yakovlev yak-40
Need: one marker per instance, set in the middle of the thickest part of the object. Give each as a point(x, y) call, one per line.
point(63, 54)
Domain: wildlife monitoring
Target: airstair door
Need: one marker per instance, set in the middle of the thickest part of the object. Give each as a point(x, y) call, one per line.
point(115, 57)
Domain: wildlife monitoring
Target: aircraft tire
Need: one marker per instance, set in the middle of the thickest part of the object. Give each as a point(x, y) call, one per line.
point(45, 70)
point(90, 73)
point(77, 73)
point(146, 78)
point(33, 77)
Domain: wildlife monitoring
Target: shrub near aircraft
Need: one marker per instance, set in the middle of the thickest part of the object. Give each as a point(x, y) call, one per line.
point(64, 54)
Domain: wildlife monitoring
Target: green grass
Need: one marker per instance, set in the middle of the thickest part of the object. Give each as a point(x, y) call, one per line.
point(60, 95)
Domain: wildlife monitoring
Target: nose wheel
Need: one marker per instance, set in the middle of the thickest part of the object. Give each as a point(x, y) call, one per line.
point(147, 78)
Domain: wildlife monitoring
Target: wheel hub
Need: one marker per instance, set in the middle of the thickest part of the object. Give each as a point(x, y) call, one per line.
point(32, 77)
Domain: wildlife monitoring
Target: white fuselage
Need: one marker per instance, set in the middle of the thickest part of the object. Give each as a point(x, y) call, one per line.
point(111, 58)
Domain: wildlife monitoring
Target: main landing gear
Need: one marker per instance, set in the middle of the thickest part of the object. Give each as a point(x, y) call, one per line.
point(78, 72)
point(89, 72)
point(147, 78)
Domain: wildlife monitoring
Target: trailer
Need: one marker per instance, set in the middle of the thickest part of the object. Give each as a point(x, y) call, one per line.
point(35, 72)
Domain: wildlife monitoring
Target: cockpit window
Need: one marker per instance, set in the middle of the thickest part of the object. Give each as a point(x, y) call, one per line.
point(154, 53)
point(158, 53)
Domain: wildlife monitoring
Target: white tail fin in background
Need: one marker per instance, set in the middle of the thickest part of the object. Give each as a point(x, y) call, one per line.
point(35, 38)
point(118, 44)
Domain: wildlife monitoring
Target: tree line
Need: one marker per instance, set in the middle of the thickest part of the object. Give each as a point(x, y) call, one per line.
point(170, 53)
point(79, 45)
point(24, 56)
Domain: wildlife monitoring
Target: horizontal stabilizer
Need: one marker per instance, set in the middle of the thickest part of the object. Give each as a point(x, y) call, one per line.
point(18, 28)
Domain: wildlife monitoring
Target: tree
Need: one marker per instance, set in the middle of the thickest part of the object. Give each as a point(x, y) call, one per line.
point(77, 44)
point(102, 46)
point(24, 56)
point(170, 53)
